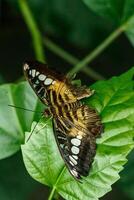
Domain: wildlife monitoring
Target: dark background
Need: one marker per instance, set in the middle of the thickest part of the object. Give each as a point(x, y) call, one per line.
point(78, 36)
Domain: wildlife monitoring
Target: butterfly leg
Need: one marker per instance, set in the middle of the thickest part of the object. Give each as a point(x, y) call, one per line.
point(44, 125)
point(47, 112)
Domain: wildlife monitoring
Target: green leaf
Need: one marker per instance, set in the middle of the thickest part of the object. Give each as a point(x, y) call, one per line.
point(114, 100)
point(119, 12)
point(14, 122)
point(15, 183)
point(111, 9)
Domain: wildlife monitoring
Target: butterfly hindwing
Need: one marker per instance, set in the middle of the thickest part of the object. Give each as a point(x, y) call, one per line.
point(77, 147)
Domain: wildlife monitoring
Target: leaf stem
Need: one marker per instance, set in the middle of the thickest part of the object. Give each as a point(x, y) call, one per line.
point(99, 49)
point(54, 187)
point(71, 59)
point(52, 193)
point(34, 31)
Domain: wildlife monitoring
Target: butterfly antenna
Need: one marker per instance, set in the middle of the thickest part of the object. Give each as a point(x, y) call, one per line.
point(32, 131)
point(39, 129)
point(24, 109)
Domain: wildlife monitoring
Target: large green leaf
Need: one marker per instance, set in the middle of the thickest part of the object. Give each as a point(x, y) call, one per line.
point(114, 100)
point(118, 12)
point(14, 122)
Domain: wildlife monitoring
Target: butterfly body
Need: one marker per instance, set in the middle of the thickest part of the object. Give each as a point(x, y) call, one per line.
point(76, 126)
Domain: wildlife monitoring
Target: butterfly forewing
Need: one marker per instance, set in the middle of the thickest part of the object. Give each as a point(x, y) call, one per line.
point(76, 126)
point(40, 78)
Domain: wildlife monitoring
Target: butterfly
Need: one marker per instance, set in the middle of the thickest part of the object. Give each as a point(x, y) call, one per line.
point(76, 125)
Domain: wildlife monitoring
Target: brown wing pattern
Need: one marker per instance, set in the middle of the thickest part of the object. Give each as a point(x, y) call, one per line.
point(76, 139)
point(77, 151)
point(76, 126)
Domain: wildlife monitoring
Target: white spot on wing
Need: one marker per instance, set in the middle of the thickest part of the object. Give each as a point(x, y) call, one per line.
point(71, 163)
point(37, 73)
point(62, 145)
point(79, 137)
point(37, 82)
point(74, 172)
point(73, 160)
point(75, 157)
point(34, 85)
point(26, 66)
point(75, 150)
point(75, 141)
point(53, 82)
point(61, 137)
point(30, 72)
point(48, 81)
point(41, 77)
point(33, 72)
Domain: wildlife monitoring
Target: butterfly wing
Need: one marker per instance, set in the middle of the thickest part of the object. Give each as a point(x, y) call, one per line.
point(77, 142)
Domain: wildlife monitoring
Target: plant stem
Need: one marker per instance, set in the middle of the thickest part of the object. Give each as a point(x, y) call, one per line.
point(71, 59)
point(38, 43)
point(99, 49)
point(51, 194)
point(33, 28)
point(57, 181)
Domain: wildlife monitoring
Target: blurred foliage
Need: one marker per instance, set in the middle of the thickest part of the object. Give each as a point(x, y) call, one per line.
point(15, 183)
point(67, 19)
point(126, 182)
point(118, 12)
point(111, 9)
